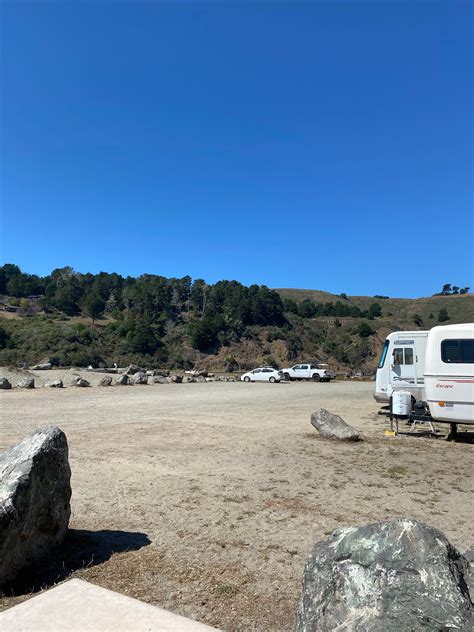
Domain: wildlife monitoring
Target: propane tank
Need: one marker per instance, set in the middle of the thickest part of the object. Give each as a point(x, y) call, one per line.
point(401, 404)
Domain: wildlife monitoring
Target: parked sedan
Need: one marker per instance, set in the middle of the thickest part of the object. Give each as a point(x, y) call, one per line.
point(262, 374)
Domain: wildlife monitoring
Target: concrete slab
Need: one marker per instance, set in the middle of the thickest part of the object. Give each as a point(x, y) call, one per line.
point(78, 606)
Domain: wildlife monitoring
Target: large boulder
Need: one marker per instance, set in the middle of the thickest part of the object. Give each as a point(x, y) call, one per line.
point(201, 378)
point(159, 379)
point(106, 380)
point(43, 366)
point(140, 378)
point(35, 492)
point(26, 382)
point(385, 577)
point(80, 381)
point(54, 384)
point(332, 426)
point(122, 380)
point(5, 384)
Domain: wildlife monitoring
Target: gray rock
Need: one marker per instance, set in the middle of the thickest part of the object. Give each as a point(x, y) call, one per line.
point(177, 379)
point(133, 368)
point(26, 382)
point(189, 380)
point(5, 384)
point(80, 381)
point(385, 577)
point(34, 500)
point(159, 379)
point(106, 381)
point(54, 384)
point(140, 378)
point(333, 427)
point(161, 372)
point(44, 366)
point(469, 555)
point(122, 380)
point(200, 378)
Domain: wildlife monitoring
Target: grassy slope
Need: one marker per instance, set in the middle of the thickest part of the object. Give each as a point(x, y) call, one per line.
point(322, 341)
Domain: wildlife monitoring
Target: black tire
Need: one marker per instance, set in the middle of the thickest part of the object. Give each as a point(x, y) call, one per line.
point(246, 378)
point(287, 377)
point(272, 379)
point(316, 377)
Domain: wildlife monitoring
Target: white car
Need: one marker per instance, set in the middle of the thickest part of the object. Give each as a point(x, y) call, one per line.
point(262, 374)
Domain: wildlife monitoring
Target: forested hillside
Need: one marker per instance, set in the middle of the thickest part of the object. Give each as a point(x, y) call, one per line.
point(81, 319)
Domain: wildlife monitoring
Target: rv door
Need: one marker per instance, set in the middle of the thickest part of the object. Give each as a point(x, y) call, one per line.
point(403, 366)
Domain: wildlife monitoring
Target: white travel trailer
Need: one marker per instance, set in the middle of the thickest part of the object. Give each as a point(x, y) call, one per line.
point(449, 374)
point(401, 365)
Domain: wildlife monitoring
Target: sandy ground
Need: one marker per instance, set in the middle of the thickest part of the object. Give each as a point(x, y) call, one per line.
point(206, 499)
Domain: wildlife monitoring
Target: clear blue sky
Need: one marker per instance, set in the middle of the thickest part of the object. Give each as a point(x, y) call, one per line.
point(314, 145)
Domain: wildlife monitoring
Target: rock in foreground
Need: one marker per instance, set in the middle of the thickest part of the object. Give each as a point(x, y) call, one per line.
point(26, 382)
point(5, 384)
point(34, 499)
point(106, 381)
point(122, 380)
point(159, 379)
point(81, 382)
point(54, 384)
point(385, 577)
point(333, 427)
point(140, 377)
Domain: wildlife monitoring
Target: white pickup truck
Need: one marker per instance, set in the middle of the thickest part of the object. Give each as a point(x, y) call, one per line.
point(306, 372)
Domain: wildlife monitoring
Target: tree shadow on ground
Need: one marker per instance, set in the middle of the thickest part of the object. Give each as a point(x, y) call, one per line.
point(80, 549)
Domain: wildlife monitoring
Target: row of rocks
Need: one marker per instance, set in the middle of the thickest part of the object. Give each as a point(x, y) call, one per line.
point(143, 378)
point(29, 382)
point(140, 377)
point(24, 382)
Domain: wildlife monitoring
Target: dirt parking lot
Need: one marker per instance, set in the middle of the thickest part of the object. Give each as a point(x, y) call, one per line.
point(206, 499)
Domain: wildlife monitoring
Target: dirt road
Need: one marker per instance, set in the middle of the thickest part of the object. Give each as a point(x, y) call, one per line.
point(231, 486)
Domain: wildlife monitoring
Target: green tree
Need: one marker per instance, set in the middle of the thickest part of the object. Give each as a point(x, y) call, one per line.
point(290, 306)
point(375, 311)
point(93, 305)
point(443, 315)
point(365, 330)
point(418, 320)
point(3, 338)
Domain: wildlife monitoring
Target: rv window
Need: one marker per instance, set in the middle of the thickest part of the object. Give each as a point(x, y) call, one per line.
point(457, 351)
point(408, 356)
point(384, 354)
point(397, 357)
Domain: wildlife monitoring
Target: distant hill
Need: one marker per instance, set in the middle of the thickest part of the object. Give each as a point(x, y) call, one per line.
point(81, 319)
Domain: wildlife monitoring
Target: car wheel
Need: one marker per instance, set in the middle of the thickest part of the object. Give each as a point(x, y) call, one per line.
point(272, 379)
point(316, 377)
point(287, 377)
point(246, 378)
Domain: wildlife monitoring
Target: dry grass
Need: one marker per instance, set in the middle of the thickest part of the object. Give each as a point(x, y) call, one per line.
point(206, 499)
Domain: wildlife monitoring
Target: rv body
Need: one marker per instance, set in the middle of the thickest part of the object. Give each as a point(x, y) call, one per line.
point(449, 373)
point(401, 365)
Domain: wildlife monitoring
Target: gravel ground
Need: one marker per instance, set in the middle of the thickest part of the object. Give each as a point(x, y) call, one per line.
point(206, 499)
